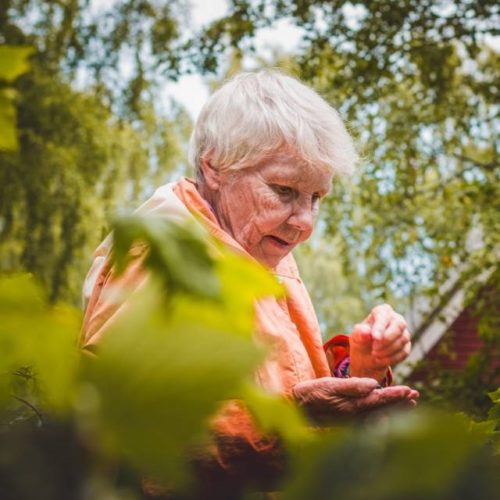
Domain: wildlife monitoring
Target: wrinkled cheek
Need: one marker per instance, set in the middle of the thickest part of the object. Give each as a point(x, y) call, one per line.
point(249, 236)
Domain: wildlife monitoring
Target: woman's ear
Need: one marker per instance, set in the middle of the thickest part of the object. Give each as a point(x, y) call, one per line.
point(211, 176)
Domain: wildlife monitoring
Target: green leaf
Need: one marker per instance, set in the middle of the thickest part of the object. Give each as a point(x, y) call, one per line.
point(418, 454)
point(242, 282)
point(8, 132)
point(181, 257)
point(165, 362)
point(159, 381)
point(35, 335)
point(495, 396)
point(13, 62)
point(177, 253)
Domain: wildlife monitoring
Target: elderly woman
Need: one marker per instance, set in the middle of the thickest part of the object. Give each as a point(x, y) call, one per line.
point(266, 149)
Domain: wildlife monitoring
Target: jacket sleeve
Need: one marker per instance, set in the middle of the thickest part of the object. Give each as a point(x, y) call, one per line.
point(337, 354)
point(106, 301)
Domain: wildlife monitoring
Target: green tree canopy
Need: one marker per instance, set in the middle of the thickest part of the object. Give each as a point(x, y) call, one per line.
point(83, 152)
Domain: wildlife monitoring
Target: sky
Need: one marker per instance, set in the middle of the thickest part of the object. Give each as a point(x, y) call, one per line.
point(190, 90)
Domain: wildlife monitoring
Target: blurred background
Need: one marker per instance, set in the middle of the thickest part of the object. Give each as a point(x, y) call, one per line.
point(104, 104)
point(105, 113)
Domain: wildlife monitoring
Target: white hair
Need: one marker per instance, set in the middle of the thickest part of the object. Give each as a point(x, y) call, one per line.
point(256, 115)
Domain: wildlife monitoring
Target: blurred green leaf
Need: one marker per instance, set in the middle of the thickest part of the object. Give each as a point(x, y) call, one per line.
point(495, 396)
point(179, 256)
point(13, 62)
point(35, 335)
point(493, 422)
point(174, 252)
point(235, 308)
point(242, 281)
point(168, 362)
point(159, 381)
point(421, 454)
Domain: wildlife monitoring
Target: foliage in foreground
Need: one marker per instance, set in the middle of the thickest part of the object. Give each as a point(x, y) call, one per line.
point(72, 429)
point(140, 405)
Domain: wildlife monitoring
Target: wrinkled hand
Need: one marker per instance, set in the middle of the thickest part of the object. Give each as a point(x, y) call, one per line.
point(330, 398)
point(380, 341)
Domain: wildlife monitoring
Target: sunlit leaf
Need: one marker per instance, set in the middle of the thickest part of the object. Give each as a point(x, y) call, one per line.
point(167, 362)
point(13, 62)
point(8, 132)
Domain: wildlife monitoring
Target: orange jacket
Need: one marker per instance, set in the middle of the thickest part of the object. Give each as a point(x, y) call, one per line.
point(289, 325)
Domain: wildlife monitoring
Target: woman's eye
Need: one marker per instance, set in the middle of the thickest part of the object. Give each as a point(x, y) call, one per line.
point(316, 198)
point(283, 190)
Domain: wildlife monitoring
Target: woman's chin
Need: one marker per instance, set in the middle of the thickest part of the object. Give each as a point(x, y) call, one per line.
point(271, 252)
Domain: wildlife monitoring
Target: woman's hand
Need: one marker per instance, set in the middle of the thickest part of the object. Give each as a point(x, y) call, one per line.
point(330, 398)
point(380, 341)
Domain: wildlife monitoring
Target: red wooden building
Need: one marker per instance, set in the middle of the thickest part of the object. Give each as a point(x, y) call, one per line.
point(445, 334)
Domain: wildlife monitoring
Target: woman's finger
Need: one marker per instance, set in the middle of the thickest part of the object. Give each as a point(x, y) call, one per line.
point(362, 335)
point(393, 347)
point(323, 389)
point(387, 396)
point(395, 328)
point(393, 358)
point(380, 317)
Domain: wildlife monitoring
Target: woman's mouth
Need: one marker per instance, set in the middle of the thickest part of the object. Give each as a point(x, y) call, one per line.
point(279, 242)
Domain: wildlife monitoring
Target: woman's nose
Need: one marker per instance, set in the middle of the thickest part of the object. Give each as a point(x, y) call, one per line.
point(302, 217)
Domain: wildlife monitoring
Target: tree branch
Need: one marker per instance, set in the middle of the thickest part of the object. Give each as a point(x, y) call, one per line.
point(32, 407)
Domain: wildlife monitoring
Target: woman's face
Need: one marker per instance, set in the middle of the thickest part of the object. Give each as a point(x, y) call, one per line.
point(270, 208)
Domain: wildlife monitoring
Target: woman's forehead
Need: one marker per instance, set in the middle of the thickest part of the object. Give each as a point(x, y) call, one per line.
point(297, 172)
